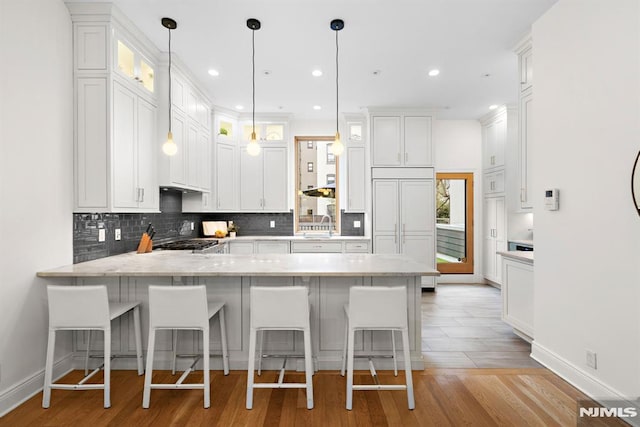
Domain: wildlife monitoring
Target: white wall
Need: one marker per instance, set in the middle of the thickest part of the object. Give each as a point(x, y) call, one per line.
point(586, 135)
point(35, 182)
point(458, 148)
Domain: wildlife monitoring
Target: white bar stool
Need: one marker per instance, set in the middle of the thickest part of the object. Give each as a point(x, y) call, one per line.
point(280, 308)
point(86, 308)
point(377, 308)
point(183, 307)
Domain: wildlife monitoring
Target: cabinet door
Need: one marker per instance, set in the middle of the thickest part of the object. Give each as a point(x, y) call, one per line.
point(192, 155)
point(267, 247)
point(204, 161)
point(147, 149)
point(275, 179)
point(417, 206)
point(251, 185)
point(417, 141)
point(385, 244)
point(177, 162)
point(526, 69)
point(385, 207)
point(225, 177)
point(386, 145)
point(355, 179)
point(494, 142)
point(418, 247)
point(526, 114)
point(125, 155)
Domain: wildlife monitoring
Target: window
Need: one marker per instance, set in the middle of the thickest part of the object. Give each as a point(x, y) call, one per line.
point(331, 158)
point(317, 186)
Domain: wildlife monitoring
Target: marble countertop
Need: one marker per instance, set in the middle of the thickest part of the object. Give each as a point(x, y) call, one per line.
point(524, 256)
point(185, 263)
point(297, 238)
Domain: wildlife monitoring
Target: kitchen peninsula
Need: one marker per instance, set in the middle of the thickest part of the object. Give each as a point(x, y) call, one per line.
point(229, 277)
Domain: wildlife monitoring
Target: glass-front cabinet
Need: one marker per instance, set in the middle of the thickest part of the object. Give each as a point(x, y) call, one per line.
point(134, 65)
point(272, 132)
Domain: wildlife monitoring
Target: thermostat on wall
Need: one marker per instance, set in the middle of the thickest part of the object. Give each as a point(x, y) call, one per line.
point(551, 199)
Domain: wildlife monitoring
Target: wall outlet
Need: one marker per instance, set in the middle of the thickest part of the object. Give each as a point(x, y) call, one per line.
point(592, 360)
point(118, 234)
point(192, 226)
point(102, 235)
point(356, 224)
point(272, 224)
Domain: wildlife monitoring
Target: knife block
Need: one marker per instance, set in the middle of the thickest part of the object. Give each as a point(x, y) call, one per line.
point(145, 245)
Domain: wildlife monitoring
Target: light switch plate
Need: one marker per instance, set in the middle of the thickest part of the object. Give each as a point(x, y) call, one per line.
point(272, 224)
point(356, 224)
point(118, 234)
point(102, 235)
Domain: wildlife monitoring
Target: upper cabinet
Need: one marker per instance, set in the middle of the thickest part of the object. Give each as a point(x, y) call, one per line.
point(115, 113)
point(400, 139)
point(495, 140)
point(525, 111)
point(190, 168)
point(355, 164)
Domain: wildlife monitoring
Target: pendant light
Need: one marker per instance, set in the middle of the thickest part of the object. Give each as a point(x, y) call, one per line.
point(169, 147)
point(337, 147)
point(253, 148)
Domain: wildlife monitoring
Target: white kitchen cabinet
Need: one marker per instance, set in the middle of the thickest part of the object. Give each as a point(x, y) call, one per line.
point(494, 237)
point(525, 142)
point(404, 217)
point(525, 66)
point(241, 247)
point(494, 182)
point(401, 140)
point(494, 132)
point(263, 180)
point(134, 159)
point(272, 247)
point(190, 168)
point(115, 131)
point(518, 296)
point(316, 247)
point(356, 189)
point(225, 177)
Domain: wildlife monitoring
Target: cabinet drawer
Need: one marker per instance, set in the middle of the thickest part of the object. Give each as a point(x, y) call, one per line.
point(310, 247)
point(267, 247)
point(357, 247)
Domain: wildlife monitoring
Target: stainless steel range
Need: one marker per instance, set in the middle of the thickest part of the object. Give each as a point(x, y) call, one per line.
point(194, 245)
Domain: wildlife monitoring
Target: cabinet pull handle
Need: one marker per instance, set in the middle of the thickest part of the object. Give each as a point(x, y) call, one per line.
point(142, 195)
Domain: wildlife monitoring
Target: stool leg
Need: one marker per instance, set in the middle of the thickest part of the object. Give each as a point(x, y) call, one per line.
point(352, 334)
point(175, 351)
point(344, 347)
point(205, 356)
point(308, 362)
point(407, 368)
point(395, 359)
point(86, 357)
point(223, 339)
point(250, 368)
point(146, 396)
point(48, 371)
point(136, 328)
point(107, 368)
point(261, 338)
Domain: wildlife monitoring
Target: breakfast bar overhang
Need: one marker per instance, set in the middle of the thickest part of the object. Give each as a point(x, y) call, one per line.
point(229, 278)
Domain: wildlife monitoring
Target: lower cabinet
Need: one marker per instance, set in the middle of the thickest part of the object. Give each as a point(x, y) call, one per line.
point(518, 296)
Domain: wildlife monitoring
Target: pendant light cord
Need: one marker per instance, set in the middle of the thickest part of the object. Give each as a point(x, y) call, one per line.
point(253, 80)
point(170, 80)
point(337, 109)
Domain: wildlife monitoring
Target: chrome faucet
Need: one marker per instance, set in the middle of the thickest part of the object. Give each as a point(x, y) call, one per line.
point(330, 226)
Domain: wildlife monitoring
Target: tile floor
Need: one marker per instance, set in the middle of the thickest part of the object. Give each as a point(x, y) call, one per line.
point(461, 328)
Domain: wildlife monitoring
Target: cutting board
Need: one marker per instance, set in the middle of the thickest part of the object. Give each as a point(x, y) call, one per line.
point(209, 227)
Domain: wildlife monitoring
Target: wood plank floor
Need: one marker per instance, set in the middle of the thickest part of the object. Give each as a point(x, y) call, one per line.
point(444, 397)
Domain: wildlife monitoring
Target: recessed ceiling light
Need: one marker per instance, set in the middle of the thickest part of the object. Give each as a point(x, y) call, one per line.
point(434, 72)
point(266, 72)
point(239, 107)
point(316, 73)
point(317, 107)
point(376, 72)
point(493, 107)
point(214, 73)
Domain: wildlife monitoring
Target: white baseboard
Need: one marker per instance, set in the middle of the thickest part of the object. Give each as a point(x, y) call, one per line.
point(25, 390)
point(577, 377)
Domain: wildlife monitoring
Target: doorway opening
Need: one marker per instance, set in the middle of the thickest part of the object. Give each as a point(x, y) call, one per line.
point(454, 223)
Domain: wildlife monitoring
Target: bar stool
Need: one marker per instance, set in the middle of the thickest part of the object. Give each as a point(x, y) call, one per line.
point(86, 308)
point(279, 308)
point(377, 308)
point(183, 307)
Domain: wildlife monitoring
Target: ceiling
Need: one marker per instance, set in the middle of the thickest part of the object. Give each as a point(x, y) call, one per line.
point(386, 49)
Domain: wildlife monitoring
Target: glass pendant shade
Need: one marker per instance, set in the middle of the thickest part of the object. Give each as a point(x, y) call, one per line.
point(253, 148)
